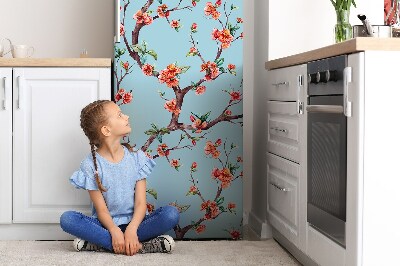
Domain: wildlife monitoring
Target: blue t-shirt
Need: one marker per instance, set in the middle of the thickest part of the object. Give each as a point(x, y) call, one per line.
point(118, 178)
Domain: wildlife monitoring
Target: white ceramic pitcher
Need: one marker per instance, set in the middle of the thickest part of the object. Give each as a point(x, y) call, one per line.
point(2, 53)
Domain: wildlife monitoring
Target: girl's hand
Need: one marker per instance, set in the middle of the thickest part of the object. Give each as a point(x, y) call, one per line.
point(118, 241)
point(132, 244)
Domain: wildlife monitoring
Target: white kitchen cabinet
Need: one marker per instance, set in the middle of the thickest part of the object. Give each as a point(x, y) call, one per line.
point(47, 145)
point(5, 146)
point(372, 197)
point(285, 124)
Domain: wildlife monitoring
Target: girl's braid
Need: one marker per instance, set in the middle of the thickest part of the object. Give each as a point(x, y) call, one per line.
point(92, 118)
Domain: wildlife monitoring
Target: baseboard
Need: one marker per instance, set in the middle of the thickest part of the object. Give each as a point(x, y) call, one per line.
point(245, 218)
point(262, 229)
point(292, 249)
point(33, 232)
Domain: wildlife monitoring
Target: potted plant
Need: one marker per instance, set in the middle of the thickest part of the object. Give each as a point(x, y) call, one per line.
point(343, 29)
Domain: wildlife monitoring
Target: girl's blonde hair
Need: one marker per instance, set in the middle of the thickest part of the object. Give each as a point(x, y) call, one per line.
point(93, 117)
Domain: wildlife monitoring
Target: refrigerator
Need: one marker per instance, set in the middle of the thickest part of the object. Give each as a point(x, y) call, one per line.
point(177, 72)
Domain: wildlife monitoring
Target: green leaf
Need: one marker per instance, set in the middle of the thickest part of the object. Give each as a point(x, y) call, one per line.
point(153, 54)
point(152, 192)
point(150, 132)
point(154, 126)
point(159, 138)
point(183, 208)
point(219, 61)
point(136, 48)
point(165, 130)
point(221, 208)
point(220, 200)
point(160, 1)
point(184, 69)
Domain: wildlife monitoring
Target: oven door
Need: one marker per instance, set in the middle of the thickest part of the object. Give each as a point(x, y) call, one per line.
point(327, 166)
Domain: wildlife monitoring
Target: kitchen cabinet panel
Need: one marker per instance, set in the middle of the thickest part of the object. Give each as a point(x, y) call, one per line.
point(283, 130)
point(48, 141)
point(284, 84)
point(283, 196)
point(5, 146)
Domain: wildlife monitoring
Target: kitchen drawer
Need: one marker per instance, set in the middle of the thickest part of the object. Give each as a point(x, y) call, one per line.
point(284, 83)
point(283, 196)
point(283, 130)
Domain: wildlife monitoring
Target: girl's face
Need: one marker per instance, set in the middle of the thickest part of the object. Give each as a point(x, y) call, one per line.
point(117, 123)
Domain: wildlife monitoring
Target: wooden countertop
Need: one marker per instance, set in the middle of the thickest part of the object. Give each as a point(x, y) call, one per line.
point(348, 47)
point(55, 62)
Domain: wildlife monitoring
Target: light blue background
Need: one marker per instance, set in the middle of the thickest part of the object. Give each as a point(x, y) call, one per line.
point(147, 107)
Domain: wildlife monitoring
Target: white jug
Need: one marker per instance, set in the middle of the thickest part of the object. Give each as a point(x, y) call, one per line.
point(2, 47)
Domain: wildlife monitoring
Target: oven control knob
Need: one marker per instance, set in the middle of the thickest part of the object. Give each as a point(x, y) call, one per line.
point(314, 78)
point(333, 76)
point(324, 76)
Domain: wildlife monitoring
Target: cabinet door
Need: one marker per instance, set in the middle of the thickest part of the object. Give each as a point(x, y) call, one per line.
point(283, 130)
point(5, 146)
point(283, 196)
point(48, 141)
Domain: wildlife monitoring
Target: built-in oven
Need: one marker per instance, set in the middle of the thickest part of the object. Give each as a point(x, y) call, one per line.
point(327, 148)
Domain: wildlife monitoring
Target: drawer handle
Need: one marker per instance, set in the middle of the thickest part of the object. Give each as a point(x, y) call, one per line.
point(5, 93)
point(280, 129)
point(279, 187)
point(284, 83)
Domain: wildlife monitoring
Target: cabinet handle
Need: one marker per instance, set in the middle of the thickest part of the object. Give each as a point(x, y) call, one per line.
point(279, 187)
point(286, 83)
point(5, 93)
point(279, 129)
point(20, 88)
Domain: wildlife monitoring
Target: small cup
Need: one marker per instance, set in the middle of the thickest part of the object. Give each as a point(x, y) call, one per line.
point(22, 51)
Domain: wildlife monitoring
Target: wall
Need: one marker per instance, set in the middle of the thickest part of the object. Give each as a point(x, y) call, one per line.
point(299, 26)
point(60, 28)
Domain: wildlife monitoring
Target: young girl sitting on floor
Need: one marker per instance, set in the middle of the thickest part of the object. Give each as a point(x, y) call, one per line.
point(115, 177)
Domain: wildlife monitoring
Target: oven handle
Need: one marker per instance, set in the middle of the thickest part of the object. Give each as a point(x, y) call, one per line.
point(335, 109)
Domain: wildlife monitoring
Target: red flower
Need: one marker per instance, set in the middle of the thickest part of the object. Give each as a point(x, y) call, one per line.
point(231, 205)
point(161, 10)
point(150, 207)
point(162, 150)
point(210, 9)
point(228, 112)
point(194, 165)
point(218, 142)
point(175, 24)
point(119, 94)
point(147, 69)
point(239, 20)
point(121, 29)
point(126, 65)
point(192, 118)
point(170, 106)
point(175, 163)
point(200, 228)
point(200, 90)
point(127, 98)
point(218, 3)
point(141, 17)
point(194, 3)
point(235, 96)
point(231, 66)
point(235, 234)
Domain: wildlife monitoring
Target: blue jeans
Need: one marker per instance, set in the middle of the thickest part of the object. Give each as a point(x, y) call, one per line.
point(90, 229)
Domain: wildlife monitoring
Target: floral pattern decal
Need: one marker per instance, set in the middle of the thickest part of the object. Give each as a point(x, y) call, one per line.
point(178, 75)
